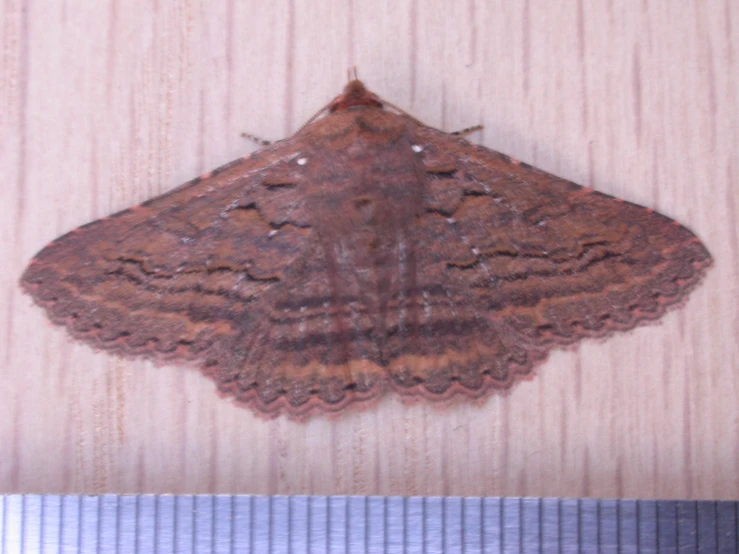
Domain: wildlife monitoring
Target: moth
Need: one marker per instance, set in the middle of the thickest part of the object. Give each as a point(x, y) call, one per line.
point(367, 252)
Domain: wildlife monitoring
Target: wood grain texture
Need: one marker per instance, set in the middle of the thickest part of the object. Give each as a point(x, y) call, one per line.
point(106, 104)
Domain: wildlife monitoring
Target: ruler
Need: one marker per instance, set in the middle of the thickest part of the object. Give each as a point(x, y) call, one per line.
point(374, 524)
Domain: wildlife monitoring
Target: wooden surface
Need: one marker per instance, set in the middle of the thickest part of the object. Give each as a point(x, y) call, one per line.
point(107, 103)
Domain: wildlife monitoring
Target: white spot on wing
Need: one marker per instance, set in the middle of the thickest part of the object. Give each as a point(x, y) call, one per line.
point(416, 148)
point(302, 161)
point(302, 325)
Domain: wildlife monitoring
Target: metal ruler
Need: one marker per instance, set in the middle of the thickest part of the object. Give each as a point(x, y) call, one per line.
point(337, 524)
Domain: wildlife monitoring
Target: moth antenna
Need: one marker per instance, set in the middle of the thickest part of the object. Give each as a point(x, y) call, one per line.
point(381, 102)
point(467, 131)
point(405, 113)
point(260, 141)
point(316, 116)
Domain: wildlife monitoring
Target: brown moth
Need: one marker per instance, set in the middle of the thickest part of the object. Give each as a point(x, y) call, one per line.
point(367, 251)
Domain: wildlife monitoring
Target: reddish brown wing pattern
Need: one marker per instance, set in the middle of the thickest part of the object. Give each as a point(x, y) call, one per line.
point(366, 251)
point(179, 276)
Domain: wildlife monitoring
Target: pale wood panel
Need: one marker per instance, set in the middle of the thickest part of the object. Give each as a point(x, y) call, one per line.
point(107, 103)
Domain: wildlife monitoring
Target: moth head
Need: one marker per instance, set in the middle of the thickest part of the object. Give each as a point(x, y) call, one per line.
point(354, 94)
